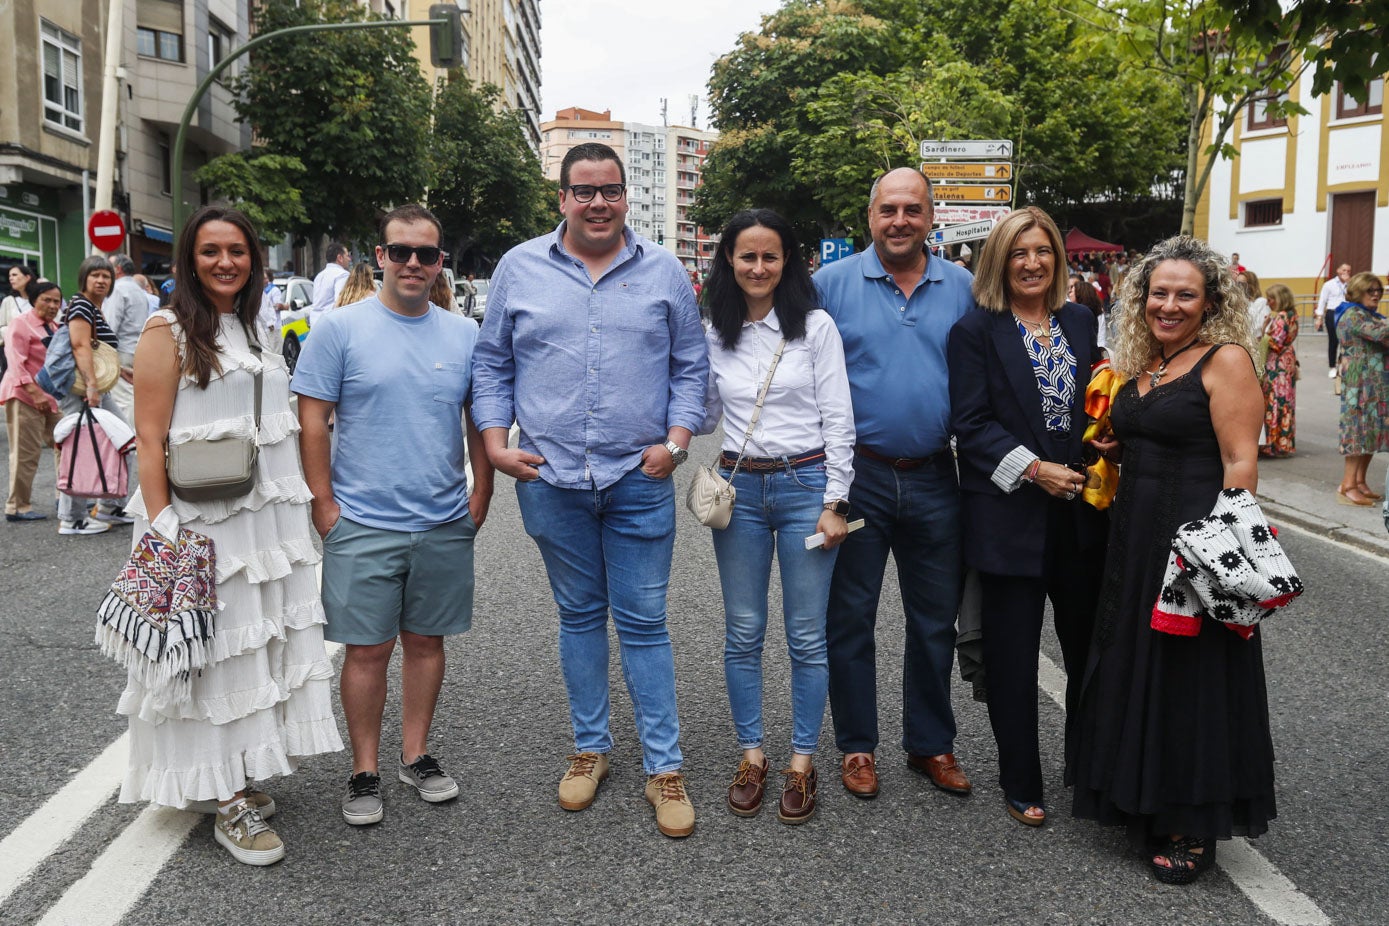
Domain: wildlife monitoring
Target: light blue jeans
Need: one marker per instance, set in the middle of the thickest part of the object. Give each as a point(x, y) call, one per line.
point(775, 510)
point(609, 550)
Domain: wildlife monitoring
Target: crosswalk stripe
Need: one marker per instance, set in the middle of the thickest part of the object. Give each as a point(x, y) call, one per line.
point(54, 823)
point(1267, 887)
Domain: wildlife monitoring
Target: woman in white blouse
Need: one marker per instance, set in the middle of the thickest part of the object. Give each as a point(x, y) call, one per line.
point(792, 483)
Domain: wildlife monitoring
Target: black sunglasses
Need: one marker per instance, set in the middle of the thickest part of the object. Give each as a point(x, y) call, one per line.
point(584, 192)
point(400, 253)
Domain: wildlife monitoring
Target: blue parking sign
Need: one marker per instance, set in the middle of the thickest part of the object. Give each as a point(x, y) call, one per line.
point(831, 249)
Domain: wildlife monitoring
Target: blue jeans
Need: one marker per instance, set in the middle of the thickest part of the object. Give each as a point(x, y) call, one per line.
point(915, 516)
point(610, 550)
point(781, 510)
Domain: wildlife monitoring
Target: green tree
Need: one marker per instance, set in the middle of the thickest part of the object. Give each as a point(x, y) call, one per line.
point(490, 193)
point(1346, 41)
point(265, 187)
point(1219, 71)
point(832, 92)
point(352, 107)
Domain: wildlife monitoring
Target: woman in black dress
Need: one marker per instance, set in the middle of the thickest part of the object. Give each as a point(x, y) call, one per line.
point(1172, 735)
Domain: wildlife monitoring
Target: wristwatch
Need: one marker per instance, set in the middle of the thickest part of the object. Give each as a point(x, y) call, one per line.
point(677, 453)
point(839, 506)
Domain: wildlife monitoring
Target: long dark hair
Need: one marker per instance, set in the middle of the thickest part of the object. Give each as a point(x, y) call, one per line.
point(195, 313)
point(793, 299)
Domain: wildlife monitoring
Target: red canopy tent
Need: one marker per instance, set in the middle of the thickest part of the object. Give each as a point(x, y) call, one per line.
point(1077, 240)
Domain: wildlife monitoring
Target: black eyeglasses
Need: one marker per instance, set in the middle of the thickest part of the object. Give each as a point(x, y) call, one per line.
point(584, 192)
point(400, 254)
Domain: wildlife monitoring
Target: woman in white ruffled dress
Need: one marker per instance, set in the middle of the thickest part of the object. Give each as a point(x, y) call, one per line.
point(264, 699)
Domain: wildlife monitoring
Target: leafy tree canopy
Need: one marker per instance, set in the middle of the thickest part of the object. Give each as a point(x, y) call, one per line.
point(830, 93)
point(1347, 40)
point(265, 187)
point(490, 193)
point(352, 107)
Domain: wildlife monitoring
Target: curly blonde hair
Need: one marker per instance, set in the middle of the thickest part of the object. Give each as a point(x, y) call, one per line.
point(1227, 304)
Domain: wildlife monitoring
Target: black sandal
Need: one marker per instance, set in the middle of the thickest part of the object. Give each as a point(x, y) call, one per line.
point(1185, 865)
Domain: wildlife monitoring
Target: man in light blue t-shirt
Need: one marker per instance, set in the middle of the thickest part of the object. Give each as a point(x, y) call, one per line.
point(391, 498)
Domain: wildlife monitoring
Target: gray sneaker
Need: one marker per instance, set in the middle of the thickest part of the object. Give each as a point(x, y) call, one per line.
point(244, 834)
point(425, 776)
point(362, 803)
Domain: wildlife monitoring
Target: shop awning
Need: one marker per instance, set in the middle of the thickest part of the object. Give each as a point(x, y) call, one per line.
point(155, 233)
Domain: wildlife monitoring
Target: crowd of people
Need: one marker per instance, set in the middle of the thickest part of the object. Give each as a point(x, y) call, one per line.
point(892, 405)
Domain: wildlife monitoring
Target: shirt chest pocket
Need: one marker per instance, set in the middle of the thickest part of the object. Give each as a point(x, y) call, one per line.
point(796, 369)
point(449, 382)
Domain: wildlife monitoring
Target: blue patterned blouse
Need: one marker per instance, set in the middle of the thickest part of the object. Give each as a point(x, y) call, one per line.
point(1055, 369)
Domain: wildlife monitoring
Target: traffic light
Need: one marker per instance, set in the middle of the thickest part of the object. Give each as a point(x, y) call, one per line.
point(446, 38)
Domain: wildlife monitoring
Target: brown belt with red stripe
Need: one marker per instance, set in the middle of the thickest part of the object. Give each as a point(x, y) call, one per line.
point(770, 464)
point(903, 463)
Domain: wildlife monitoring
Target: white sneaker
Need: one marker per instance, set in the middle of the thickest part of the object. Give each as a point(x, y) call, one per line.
point(82, 526)
point(1331, 373)
point(116, 515)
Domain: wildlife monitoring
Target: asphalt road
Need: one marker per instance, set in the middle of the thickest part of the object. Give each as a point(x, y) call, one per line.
point(504, 852)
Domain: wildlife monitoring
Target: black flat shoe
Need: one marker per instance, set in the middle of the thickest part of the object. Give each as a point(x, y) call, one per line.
point(1185, 865)
point(26, 516)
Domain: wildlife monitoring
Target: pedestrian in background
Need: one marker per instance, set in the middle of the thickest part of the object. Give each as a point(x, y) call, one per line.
point(1281, 372)
point(272, 302)
point(14, 304)
point(151, 296)
point(30, 413)
point(795, 484)
point(263, 700)
point(1171, 737)
point(592, 345)
point(1082, 293)
point(1363, 333)
point(87, 324)
point(894, 305)
point(360, 284)
point(1258, 305)
point(330, 281)
point(1333, 293)
point(1019, 367)
point(391, 499)
point(126, 310)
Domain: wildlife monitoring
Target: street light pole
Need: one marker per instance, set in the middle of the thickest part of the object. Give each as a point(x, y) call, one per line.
point(180, 211)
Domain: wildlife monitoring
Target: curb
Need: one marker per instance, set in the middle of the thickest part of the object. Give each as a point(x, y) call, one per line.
point(1379, 546)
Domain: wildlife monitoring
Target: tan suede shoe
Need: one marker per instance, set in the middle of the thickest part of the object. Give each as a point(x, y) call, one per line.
point(579, 786)
point(674, 813)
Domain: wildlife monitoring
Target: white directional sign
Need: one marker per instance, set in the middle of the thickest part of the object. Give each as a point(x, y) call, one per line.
point(997, 148)
point(950, 212)
point(952, 234)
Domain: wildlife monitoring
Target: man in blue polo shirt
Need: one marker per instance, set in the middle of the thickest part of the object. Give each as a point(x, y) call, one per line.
point(894, 305)
point(391, 500)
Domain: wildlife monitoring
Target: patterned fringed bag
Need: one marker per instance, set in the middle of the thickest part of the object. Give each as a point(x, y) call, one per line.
point(157, 619)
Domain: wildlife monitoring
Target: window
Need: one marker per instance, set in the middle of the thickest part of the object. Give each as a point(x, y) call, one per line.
point(1263, 213)
point(1347, 107)
point(219, 43)
point(166, 167)
point(153, 43)
point(1259, 116)
point(62, 78)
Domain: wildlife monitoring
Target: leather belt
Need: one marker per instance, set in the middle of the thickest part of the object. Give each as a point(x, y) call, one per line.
point(770, 464)
point(902, 463)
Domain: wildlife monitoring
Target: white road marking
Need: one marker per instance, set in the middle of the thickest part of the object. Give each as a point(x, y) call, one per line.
point(124, 871)
point(121, 875)
point(61, 816)
point(1340, 544)
point(1256, 876)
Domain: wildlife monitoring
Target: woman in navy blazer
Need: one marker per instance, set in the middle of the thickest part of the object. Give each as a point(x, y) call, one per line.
point(1019, 366)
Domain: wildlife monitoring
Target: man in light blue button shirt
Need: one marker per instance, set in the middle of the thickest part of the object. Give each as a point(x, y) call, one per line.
point(894, 305)
point(592, 344)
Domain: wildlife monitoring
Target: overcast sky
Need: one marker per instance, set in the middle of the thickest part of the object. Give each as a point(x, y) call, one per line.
point(625, 55)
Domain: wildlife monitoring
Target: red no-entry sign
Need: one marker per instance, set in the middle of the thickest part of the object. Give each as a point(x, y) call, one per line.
point(106, 230)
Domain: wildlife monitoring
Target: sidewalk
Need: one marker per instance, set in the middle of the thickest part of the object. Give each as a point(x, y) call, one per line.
point(1301, 490)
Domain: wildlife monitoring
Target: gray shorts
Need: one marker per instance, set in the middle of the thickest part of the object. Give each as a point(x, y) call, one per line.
point(377, 583)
